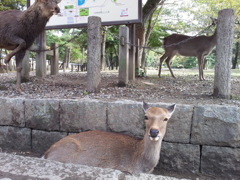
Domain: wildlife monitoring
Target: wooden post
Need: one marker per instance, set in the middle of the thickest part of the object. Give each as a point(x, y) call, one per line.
point(123, 56)
point(41, 55)
point(132, 52)
point(94, 54)
point(222, 78)
point(137, 62)
point(25, 74)
point(54, 59)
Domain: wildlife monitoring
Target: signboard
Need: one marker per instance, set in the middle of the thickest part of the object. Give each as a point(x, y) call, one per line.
point(75, 13)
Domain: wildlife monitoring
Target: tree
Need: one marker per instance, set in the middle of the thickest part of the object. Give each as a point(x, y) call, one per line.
point(12, 4)
point(148, 9)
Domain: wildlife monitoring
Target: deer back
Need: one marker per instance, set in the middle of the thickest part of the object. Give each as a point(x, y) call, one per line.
point(189, 45)
point(95, 148)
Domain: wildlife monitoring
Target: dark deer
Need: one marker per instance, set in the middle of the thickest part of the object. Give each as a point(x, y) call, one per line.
point(199, 46)
point(116, 151)
point(18, 30)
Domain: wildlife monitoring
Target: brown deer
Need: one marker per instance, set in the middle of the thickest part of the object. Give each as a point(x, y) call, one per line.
point(198, 46)
point(18, 29)
point(113, 150)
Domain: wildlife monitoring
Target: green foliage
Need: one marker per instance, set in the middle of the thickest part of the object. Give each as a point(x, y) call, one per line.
point(141, 72)
point(74, 39)
point(12, 4)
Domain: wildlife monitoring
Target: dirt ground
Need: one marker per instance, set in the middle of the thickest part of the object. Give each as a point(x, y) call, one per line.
point(184, 89)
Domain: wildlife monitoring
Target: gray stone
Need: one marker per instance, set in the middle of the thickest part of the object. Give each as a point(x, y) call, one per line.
point(126, 117)
point(179, 125)
point(42, 114)
point(216, 125)
point(12, 112)
point(33, 168)
point(221, 161)
point(22, 168)
point(42, 140)
point(179, 157)
point(86, 114)
point(15, 138)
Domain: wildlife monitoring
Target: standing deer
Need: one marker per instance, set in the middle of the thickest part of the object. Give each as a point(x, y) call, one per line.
point(116, 151)
point(199, 46)
point(18, 30)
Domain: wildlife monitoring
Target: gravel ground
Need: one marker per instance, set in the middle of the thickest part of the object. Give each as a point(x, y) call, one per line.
point(185, 89)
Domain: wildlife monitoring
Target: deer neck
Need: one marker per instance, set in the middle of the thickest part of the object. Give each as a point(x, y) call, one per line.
point(148, 154)
point(214, 37)
point(34, 18)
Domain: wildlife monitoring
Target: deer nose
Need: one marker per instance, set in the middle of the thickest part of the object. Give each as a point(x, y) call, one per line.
point(57, 9)
point(154, 133)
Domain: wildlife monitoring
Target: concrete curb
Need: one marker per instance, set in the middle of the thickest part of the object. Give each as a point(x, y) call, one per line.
point(14, 167)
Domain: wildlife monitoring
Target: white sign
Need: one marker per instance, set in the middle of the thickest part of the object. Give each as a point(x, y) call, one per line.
point(75, 13)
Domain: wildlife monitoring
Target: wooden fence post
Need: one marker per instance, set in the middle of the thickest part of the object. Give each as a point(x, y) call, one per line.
point(137, 61)
point(94, 54)
point(54, 59)
point(132, 52)
point(222, 78)
point(123, 56)
point(41, 55)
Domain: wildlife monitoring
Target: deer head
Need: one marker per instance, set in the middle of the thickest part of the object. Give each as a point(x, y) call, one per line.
point(156, 120)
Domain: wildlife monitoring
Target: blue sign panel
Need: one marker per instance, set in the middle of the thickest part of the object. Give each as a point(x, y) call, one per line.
point(81, 2)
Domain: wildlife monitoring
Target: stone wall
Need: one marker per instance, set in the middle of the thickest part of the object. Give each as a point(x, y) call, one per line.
point(199, 139)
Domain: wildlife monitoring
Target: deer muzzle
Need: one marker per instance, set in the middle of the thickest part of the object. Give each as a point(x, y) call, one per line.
point(154, 134)
point(56, 10)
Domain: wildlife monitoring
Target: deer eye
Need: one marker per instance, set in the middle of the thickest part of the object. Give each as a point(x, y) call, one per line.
point(166, 119)
point(145, 117)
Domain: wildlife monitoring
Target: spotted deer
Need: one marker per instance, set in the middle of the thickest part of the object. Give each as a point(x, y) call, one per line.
point(19, 29)
point(114, 150)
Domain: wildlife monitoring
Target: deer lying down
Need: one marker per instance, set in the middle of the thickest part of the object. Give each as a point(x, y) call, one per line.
point(116, 151)
point(18, 29)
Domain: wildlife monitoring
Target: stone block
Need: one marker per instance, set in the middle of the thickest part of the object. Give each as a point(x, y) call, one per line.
point(179, 125)
point(216, 125)
point(42, 140)
point(126, 117)
point(15, 138)
point(12, 112)
point(221, 161)
point(42, 114)
point(179, 157)
point(83, 115)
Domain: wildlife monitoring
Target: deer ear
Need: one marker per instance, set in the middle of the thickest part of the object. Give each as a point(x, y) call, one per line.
point(171, 109)
point(145, 106)
point(58, 1)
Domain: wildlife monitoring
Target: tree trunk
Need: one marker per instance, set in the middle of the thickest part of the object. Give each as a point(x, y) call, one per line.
point(148, 9)
point(235, 60)
point(222, 78)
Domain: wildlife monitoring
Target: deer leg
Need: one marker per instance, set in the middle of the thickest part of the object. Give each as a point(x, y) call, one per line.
point(168, 60)
point(160, 64)
point(200, 67)
point(19, 57)
point(203, 66)
point(21, 44)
